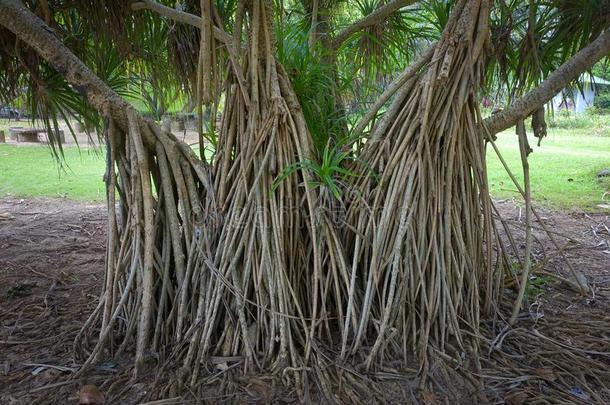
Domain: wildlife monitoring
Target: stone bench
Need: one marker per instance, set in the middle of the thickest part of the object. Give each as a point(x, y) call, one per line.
point(20, 134)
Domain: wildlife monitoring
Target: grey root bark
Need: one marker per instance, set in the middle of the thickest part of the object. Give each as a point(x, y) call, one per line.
point(206, 261)
point(425, 269)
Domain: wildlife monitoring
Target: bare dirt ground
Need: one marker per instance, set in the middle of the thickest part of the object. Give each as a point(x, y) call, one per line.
point(579, 242)
point(51, 270)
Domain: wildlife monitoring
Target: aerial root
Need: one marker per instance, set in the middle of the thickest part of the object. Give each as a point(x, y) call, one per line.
point(156, 236)
point(205, 262)
point(421, 250)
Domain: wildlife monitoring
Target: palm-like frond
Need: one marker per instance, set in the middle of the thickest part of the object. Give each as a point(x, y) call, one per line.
point(313, 82)
point(385, 47)
point(524, 55)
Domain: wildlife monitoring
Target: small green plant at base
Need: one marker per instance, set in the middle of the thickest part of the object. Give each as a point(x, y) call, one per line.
point(535, 285)
point(21, 289)
point(327, 173)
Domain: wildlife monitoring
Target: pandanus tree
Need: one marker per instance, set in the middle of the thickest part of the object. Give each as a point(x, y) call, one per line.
point(301, 242)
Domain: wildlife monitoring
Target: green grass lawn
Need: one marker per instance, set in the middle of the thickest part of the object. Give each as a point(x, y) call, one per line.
point(32, 171)
point(563, 170)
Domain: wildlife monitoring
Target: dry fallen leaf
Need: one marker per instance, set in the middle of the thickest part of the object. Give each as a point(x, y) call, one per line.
point(516, 398)
point(545, 373)
point(429, 398)
point(259, 388)
point(581, 281)
point(89, 394)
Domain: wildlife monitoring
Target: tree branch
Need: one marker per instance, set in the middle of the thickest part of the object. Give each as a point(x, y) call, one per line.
point(559, 79)
point(376, 16)
point(393, 87)
point(181, 17)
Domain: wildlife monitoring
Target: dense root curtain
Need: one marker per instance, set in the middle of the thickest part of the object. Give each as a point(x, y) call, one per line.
point(161, 226)
point(228, 261)
point(216, 261)
point(422, 263)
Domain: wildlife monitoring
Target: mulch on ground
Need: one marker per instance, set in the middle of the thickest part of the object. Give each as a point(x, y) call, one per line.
point(51, 271)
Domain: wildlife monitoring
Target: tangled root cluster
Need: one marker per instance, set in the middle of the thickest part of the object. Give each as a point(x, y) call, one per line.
point(221, 263)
